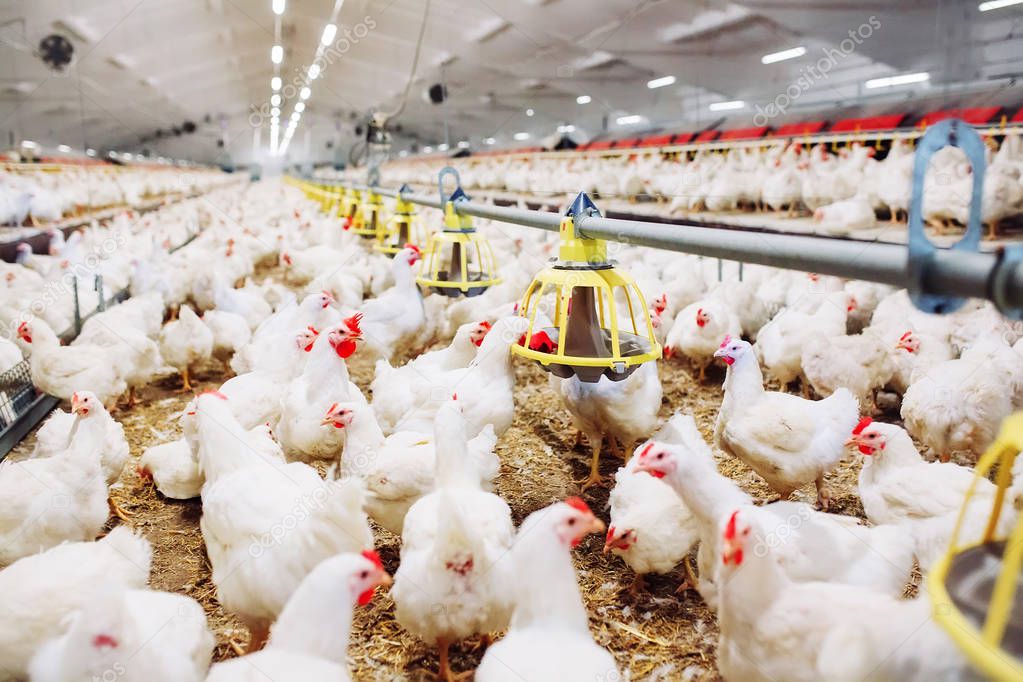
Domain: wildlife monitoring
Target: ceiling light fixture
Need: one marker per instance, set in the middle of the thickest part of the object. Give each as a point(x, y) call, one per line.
point(329, 31)
point(529, 112)
point(583, 99)
point(728, 106)
point(904, 79)
point(489, 140)
point(660, 82)
point(278, 7)
point(997, 4)
point(276, 54)
point(63, 148)
point(275, 83)
point(275, 100)
point(628, 120)
point(305, 92)
point(567, 128)
point(521, 136)
point(781, 56)
point(314, 71)
point(300, 107)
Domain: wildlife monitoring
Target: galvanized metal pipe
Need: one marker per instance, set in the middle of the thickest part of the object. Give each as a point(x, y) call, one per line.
point(954, 273)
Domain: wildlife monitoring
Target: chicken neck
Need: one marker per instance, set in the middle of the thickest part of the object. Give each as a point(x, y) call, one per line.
point(317, 620)
point(547, 593)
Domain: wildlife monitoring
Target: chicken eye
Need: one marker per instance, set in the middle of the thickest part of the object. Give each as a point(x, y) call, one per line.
point(364, 575)
point(571, 522)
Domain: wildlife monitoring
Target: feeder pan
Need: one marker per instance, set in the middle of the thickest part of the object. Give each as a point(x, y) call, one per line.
point(343, 202)
point(458, 260)
point(366, 221)
point(588, 295)
point(403, 227)
point(976, 589)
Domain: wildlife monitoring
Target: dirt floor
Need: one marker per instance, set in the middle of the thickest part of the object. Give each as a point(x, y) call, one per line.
point(659, 636)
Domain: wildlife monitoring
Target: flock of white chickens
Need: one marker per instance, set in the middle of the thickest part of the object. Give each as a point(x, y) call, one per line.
point(843, 187)
point(292, 461)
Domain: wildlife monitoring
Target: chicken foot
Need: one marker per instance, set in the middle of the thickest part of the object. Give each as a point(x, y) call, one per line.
point(116, 510)
point(690, 582)
point(594, 479)
point(186, 386)
point(259, 633)
point(444, 672)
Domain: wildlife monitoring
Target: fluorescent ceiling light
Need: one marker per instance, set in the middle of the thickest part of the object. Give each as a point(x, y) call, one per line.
point(63, 148)
point(275, 83)
point(276, 54)
point(329, 31)
point(488, 29)
point(904, 79)
point(463, 144)
point(568, 128)
point(781, 56)
point(90, 152)
point(275, 100)
point(305, 92)
point(598, 58)
point(727, 106)
point(300, 107)
point(489, 140)
point(997, 4)
point(529, 112)
point(275, 111)
point(660, 82)
point(427, 150)
point(521, 136)
point(278, 7)
point(403, 153)
point(443, 147)
point(29, 144)
point(583, 99)
point(628, 120)
point(314, 71)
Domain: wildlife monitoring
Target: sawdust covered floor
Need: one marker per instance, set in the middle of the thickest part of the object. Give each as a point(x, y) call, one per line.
point(655, 636)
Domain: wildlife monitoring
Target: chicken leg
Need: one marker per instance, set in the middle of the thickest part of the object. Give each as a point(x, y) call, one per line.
point(690, 581)
point(116, 510)
point(823, 494)
point(259, 632)
point(444, 671)
point(594, 479)
point(186, 386)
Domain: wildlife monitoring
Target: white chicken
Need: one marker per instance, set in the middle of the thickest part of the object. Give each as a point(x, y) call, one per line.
point(323, 382)
point(247, 502)
point(173, 468)
point(38, 592)
point(57, 498)
point(62, 370)
point(859, 363)
point(451, 583)
point(230, 333)
point(399, 469)
point(775, 629)
point(898, 486)
point(142, 635)
point(698, 330)
point(780, 341)
point(186, 342)
point(788, 440)
point(309, 641)
point(623, 411)
point(56, 433)
point(396, 314)
point(651, 528)
point(549, 636)
point(798, 529)
point(268, 350)
point(913, 356)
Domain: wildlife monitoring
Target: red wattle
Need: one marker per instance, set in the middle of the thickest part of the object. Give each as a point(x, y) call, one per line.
point(657, 474)
point(728, 360)
point(345, 349)
point(866, 450)
point(367, 596)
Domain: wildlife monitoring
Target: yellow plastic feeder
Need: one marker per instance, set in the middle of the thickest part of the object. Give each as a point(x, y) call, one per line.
point(366, 220)
point(975, 589)
point(403, 227)
point(458, 260)
point(589, 298)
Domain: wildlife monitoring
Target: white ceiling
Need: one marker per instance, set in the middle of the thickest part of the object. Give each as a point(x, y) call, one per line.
point(144, 65)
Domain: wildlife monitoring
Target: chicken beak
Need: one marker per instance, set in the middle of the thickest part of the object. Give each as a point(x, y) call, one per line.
point(328, 420)
point(385, 579)
point(596, 525)
point(720, 353)
point(852, 440)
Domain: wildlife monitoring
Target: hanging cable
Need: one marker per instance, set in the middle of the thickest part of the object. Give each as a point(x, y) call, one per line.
point(415, 64)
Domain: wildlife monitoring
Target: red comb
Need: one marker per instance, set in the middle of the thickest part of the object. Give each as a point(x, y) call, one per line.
point(578, 503)
point(454, 396)
point(23, 326)
point(730, 530)
point(353, 323)
point(216, 394)
point(485, 324)
point(414, 248)
point(863, 423)
point(313, 330)
point(905, 336)
point(646, 448)
point(728, 337)
point(374, 557)
point(104, 640)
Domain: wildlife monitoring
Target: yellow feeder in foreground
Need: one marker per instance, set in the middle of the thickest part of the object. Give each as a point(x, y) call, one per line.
point(601, 325)
point(403, 227)
point(976, 589)
point(458, 260)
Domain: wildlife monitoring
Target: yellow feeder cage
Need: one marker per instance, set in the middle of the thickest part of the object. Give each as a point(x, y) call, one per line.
point(976, 589)
point(601, 325)
point(366, 221)
point(458, 260)
point(403, 227)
